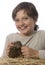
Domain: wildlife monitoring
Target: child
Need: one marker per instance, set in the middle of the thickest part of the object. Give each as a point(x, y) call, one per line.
point(25, 17)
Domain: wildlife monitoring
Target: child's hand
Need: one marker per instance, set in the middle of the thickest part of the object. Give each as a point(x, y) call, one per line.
point(8, 47)
point(29, 52)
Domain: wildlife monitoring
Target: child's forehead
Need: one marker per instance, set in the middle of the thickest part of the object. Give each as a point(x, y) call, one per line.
point(21, 13)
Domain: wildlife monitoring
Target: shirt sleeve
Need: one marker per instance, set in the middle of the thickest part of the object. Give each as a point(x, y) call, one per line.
point(42, 51)
point(4, 51)
point(42, 54)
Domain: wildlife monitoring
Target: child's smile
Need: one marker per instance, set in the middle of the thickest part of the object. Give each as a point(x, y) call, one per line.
point(24, 23)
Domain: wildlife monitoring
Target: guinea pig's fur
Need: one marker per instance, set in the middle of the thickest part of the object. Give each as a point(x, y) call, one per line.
point(15, 50)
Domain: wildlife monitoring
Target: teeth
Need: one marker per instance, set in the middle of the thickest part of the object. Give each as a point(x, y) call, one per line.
point(23, 27)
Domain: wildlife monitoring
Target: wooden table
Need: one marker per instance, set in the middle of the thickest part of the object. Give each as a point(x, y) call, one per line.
point(21, 61)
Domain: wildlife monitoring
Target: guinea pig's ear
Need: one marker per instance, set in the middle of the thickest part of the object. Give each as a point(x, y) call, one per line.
point(14, 43)
point(18, 42)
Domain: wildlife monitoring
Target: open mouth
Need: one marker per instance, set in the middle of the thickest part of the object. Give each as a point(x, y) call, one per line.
point(23, 27)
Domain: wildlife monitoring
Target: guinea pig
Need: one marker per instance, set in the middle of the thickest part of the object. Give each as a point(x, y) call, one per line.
point(15, 50)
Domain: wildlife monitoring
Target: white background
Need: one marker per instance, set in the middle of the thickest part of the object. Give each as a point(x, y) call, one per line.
point(7, 25)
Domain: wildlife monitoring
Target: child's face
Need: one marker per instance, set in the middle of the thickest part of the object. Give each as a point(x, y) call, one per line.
point(24, 23)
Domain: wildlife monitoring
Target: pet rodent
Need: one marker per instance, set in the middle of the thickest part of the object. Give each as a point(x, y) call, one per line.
point(15, 50)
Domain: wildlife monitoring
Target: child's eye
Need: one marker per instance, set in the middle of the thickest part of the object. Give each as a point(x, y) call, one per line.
point(16, 20)
point(25, 18)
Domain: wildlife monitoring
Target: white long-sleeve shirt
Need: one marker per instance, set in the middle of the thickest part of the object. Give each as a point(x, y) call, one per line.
point(35, 41)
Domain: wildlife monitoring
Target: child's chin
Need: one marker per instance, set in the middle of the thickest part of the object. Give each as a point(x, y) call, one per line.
point(23, 32)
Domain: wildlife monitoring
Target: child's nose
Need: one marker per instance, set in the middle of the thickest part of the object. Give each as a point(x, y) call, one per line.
point(21, 23)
